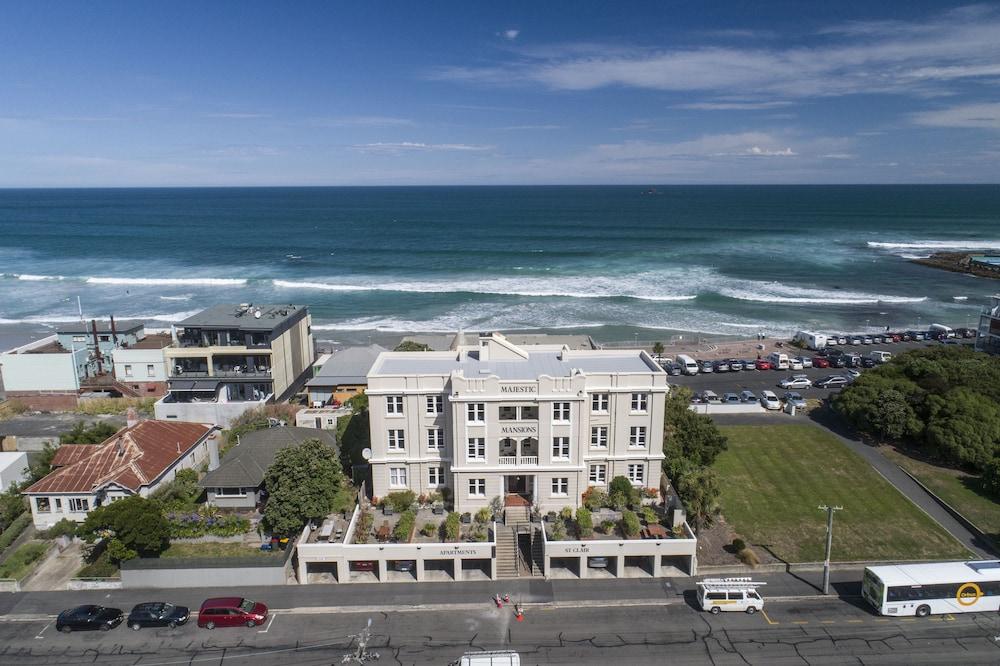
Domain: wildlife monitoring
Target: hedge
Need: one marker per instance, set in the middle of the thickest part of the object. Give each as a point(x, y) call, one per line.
point(14, 530)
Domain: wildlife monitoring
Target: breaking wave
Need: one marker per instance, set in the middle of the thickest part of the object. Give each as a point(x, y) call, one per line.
point(214, 282)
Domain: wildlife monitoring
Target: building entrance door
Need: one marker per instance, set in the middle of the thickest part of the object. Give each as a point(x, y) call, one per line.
point(518, 488)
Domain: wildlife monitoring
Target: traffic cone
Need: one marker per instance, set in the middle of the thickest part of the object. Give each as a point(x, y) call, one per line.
point(518, 613)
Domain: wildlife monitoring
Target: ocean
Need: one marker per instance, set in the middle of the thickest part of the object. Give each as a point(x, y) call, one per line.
point(618, 262)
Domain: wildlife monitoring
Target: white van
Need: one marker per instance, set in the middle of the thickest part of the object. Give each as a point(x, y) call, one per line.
point(880, 356)
point(688, 365)
point(814, 341)
point(937, 330)
point(778, 360)
point(495, 658)
point(730, 594)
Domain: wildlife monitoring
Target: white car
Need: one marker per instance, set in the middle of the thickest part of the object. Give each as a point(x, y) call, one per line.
point(768, 400)
point(799, 382)
point(795, 363)
point(806, 361)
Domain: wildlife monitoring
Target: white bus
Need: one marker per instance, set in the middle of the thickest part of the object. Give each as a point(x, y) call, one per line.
point(923, 589)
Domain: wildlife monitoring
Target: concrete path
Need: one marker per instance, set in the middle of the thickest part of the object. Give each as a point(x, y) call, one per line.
point(885, 467)
point(56, 570)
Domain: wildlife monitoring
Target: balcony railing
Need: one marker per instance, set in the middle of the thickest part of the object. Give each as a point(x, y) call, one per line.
point(517, 461)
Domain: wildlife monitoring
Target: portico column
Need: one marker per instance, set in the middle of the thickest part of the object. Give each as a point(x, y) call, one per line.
point(458, 568)
point(383, 569)
point(619, 566)
point(418, 568)
point(582, 566)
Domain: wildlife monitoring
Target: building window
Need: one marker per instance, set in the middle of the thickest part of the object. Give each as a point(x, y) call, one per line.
point(435, 477)
point(397, 477)
point(477, 448)
point(435, 405)
point(560, 448)
point(477, 487)
point(637, 473)
point(78, 505)
point(435, 439)
point(560, 487)
point(394, 405)
point(58, 504)
point(598, 475)
point(79, 338)
point(397, 441)
point(477, 412)
point(128, 369)
point(637, 437)
point(599, 437)
point(42, 505)
point(230, 492)
point(639, 401)
point(560, 411)
point(150, 370)
point(599, 403)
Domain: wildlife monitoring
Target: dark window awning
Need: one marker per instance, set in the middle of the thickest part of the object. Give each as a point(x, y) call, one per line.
point(195, 385)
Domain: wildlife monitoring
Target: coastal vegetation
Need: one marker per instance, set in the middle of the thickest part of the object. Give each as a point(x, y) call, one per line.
point(102, 406)
point(84, 433)
point(411, 346)
point(305, 482)
point(773, 478)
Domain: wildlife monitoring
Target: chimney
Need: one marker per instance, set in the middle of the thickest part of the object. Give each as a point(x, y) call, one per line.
point(213, 452)
point(131, 417)
point(119, 447)
point(114, 332)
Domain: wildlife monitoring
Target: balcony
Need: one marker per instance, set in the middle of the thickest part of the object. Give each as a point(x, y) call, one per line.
point(518, 461)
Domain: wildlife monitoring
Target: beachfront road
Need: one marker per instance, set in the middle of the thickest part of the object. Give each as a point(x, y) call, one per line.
point(815, 631)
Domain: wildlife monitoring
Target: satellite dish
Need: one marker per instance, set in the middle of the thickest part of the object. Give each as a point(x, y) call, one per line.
point(256, 314)
point(366, 454)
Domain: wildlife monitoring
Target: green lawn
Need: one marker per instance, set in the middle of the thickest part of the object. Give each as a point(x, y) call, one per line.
point(212, 549)
point(775, 477)
point(23, 560)
point(960, 490)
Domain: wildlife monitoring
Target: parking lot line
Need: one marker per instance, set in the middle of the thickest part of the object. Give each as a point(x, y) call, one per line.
point(269, 623)
point(43, 629)
point(769, 620)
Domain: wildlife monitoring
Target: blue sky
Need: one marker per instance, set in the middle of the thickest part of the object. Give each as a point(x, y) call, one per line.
point(246, 93)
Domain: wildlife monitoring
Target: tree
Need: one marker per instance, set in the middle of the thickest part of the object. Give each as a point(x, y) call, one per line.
point(964, 426)
point(181, 493)
point(358, 403)
point(621, 493)
point(305, 482)
point(12, 505)
point(411, 346)
point(991, 478)
point(81, 433)
point(42, 464)
point(658, 348)
point(689, 439)
point(137, 523)
point(699, 489)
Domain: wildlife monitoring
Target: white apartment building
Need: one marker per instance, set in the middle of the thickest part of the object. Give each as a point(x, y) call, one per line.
point(542, 422)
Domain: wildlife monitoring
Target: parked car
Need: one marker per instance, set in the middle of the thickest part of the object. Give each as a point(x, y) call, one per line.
point(762, 364)
point(832, 381)
point(362, 565)
point(868, 362)
point(720, 366)
point(852, 374)
point(852, 360)
point(839, 361)
point(841, 339)
point(405, 566)
point(231, 612)
point(917, 335)
point(597, 563)
point(799, 382)
point(674, 369)
point(769, 400)
point(735, 364)
point(795, 363)
point(820, 362)
point(730, 399)
point(88, 618)
point(749, 364)
point(157, 614)
point(710, 398)
point(794, 399)
point(748, 396)
point(856, 340)
point(807, 361)
point(705, 366)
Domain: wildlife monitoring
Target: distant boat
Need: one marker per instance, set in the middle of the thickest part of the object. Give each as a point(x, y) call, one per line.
point(653, 191)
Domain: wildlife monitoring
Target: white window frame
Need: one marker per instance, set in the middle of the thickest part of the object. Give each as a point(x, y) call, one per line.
point(435, 477)
point(599, 437)
point(398, 477)
point(394, 405)
point(598, 474)
point(223, 492)
point(128, 369)
point(560, 448)
point(636, 473)
point(637, 437)
point(38, 505)
point(435, 439)
point(476, 412)
point(434, 405)
point(476, 449)
point(477, 487)
point(560, 486)
point(79, 505)
point(560, 412)
point(600, 403)
point(395, 439)
point(150, 369)
point(640, 403)
point(59, 505)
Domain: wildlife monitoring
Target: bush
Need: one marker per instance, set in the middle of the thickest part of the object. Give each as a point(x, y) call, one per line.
point(738, 545)
point(558, 531)
point(584, 522)
point(180, 494)
point(452, 527)
point(620, 486)
point(12, 505)
point(102, 567)
point(20, 562)
point(401, 500)
point(566, 513)
point(484, 515)
point(363, 528)
point(14, 530)
point(595, 498)
point(649, 515)
point(748, 557)
point(991, 478)
point(428, 529)
point(630, 524)
point(205, 521)
point(100, 406)
point(608, 526)
point(404, 528)
point(81, 433)
point(64, 527)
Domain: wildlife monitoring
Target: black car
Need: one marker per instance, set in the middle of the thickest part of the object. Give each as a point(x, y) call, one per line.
point(868, 362)
point(157, 614)
point(84, 618)
point(833, 381)
point(838, 361)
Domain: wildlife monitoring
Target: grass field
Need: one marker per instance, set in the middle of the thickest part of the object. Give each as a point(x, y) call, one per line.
point(212, 549)
point(775, 477)
point(958, 489)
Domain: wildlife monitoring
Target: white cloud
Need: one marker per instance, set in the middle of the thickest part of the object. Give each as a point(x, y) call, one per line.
point(511, 34)
point(839, 156)
point(238, 116)
point(415, 146)
point(364, 121)
point(732, 106)
point(977, 116)
point(530, 127)
point(757, 151)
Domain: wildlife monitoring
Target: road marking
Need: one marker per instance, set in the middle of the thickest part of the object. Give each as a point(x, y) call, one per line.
point(43, 629)
point(769, 620)
point(855, 621)
point(828, 622)
point(800, 622)
point(882, 620)
point(269, 623)
point(949, 618)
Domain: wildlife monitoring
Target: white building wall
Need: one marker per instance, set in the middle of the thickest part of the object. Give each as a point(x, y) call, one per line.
point(13, 468)
point(41, 372)
point(140, 360)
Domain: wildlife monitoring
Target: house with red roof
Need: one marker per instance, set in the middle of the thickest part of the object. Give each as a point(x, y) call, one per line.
point(136, 460)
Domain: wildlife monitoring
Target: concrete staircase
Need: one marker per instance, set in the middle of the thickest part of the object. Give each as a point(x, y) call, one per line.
point(537, 554)
point(506, 552)
point(515, 516)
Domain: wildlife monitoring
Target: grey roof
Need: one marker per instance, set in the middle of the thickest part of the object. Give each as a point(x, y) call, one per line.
point(349, 366)
point(571, 341)
point(232, 315)
point(538, 363)
point(103, 326)
point(244, 465)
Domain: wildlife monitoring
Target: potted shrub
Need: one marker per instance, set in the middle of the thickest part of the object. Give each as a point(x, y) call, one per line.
point(466, 518)
point(584, 523)
point(438, 508)
point(428, 529)
point(451, 528)
point(608, 526)
point(484, 515)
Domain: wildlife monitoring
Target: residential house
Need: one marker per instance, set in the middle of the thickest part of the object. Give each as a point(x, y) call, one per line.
point(142, 366)
point(343, 376)
point(988, 337)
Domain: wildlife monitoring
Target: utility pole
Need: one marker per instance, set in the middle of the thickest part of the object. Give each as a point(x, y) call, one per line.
point(360, 654)
point(829, 543)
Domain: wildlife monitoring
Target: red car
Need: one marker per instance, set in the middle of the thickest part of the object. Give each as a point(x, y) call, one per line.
point(231, 612)
point(820, 362)
point(762, 364)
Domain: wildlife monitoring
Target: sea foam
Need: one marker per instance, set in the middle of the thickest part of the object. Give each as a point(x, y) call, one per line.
point(210, 282)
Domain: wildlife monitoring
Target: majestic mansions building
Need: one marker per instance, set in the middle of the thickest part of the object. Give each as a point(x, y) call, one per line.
point(543, 422)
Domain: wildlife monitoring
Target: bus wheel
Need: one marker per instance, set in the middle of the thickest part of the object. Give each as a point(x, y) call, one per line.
point(751, 610)
point(923, 611)
point(715, 610)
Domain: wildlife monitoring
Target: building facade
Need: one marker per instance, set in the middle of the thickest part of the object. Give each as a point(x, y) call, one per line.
point(142, 366)
point(494, 419)
point(343, 375)
point(988, 336)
